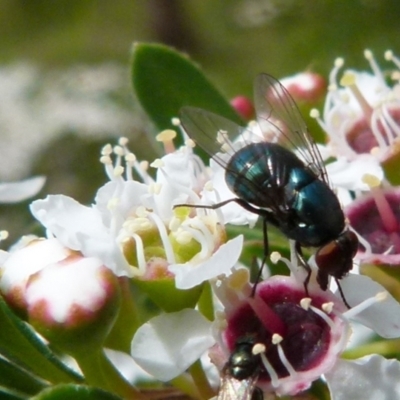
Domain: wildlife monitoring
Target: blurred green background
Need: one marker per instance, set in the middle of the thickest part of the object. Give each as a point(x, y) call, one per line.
point(65, 86)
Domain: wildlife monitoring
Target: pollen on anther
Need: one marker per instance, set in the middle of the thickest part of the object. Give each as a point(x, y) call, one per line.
point(258, 348)
point(348, 79)
point(3, 235)
point(130, 158)
point(371, 180)
point(144, 165)
point(118, 150)
point(339, 62)
point(190, 143)
point(175, 121)
point(183, 237)
point(118, 171)
point(106, 150)
point(106, 160)
point(166, 136)
point(314, 113)
point(209, 186)
point(157, 163)
point(327, 307)
point(368, 54)
point(275, 257)
point(305, 303)
point(123, 141)
point(388, 55)
point(276, 338)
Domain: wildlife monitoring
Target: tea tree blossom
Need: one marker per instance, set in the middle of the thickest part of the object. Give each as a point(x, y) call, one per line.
point(361, 112)
point(132, 226)
point(298, 338)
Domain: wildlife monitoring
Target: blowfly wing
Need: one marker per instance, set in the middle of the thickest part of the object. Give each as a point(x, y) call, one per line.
point(281, 122)
point(218, 136)
point(234, 389)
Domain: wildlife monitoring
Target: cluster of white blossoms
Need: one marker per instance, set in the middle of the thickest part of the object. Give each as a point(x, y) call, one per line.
point(147, 230)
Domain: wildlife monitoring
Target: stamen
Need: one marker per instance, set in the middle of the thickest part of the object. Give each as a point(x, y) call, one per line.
point(285, 361)
point(349, 80)
point(389, 56)
point(258, 348)
point(324, 316)
point(106, 150)
point(3, 235)
point(385, 211)
point(379, 297)
point(376, 131)
point(374, 66)
point(167, 138)
point(140, 254)
point(175, 121)
point(157, 163)
point(328, 307)
point(123, 141)
point(190, 143)
point(130, 160)
point(183, 237)
point(118, 171)
point(169, 252)
point(271, 371)
point(305, 303)
point(205, 251)
point(197, 223)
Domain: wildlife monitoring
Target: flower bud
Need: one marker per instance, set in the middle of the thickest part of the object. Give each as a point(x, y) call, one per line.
point(73, 303)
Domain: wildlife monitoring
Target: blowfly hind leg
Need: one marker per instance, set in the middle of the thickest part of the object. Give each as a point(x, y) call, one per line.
point(266, 254)
point(304, 264)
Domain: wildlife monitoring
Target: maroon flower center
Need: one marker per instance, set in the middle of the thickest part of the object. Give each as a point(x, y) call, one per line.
point(362, 138)
point(368, 221)
point(306, 337)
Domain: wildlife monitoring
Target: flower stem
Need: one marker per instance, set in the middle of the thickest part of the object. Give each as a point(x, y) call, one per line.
point(201, 381)
point(205, 303)
point(100, 372)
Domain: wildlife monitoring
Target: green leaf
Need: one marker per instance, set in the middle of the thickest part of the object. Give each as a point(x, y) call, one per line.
point(166, 296)
point(20, 344)
point(164, 80)
point(74, 392)
point(15, 378)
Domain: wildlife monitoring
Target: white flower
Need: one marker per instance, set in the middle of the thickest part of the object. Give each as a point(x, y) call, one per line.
point(132, 226)
point(362, 116)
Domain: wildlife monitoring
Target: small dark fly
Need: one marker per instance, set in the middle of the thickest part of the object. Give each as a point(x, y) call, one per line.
point(279, 174)
point(240, 374)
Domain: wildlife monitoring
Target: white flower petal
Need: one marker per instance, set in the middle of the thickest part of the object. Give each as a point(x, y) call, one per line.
point(349, 174)
point(80, 228)
point(368, 378)
point(170, 343)
point(382, 317)
point(127, 366)
point(188, 275)
point(14, 192)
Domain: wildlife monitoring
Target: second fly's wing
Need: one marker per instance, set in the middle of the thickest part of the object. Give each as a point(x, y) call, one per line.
point(281, 122)
point(216, 135)
point(234, 389)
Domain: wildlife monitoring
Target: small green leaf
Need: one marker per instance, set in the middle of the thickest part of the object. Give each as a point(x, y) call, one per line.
point(166, 296)
point(164, 80)
point(15, 378)
point(74, 392)
point(20, 344)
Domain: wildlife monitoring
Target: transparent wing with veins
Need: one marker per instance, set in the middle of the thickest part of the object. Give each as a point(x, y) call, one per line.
point(234, 389)
point(281, 122)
